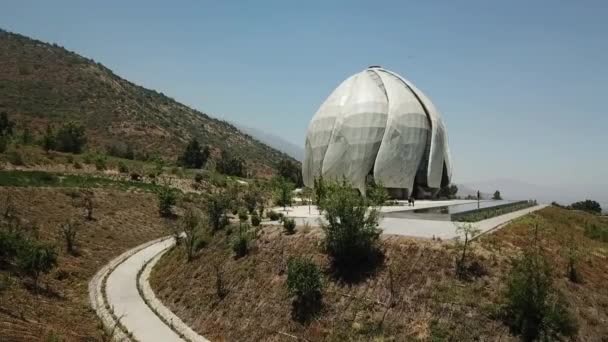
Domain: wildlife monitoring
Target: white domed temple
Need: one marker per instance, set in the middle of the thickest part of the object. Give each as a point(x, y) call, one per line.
point(378, 124)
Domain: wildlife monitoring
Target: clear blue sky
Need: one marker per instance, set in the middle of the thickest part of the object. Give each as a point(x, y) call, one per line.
point(522, 85)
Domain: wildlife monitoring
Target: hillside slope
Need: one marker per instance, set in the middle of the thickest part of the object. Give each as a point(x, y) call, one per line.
point(42, 83)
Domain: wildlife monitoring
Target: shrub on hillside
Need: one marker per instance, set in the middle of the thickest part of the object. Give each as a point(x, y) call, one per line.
point(71, 137)
point(6, 125)
point(240, 243)
point(255, 220)
point(534, 309)
point(167, 198)
point(243, 215)
point(190, 224)
point(122, 167)
point(289, 225)
point(273, 215)
point(229, 165)
point(351, 232)
point(36, 259)
point(68, 231)
point(194, 156)
point(216, 207)
point(588, 206)
point(291, 171)
point(305, 283)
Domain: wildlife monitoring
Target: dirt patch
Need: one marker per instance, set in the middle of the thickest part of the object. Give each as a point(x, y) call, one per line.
point(121, 220)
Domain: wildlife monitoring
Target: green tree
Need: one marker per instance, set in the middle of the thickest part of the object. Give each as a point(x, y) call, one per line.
point(194, 156)
point(320, 189)
point(230, 165)
point(496, 195)
point(290, 170)
point(283, 192)
point(588, 206)
point(71, 137)
point(351, 231)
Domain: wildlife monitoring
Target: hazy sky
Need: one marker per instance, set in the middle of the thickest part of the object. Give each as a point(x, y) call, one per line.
point(522, 85)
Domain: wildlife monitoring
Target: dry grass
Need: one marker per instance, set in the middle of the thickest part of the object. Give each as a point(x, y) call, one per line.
point(414, 295)
point(122, 220)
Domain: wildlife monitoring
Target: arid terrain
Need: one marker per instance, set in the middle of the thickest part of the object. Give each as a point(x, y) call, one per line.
point(413, 295)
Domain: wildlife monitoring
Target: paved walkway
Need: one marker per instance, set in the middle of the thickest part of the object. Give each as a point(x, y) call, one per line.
point(123, 296)
point(414, 227)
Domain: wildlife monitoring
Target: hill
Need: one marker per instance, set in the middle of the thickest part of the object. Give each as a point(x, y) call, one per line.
point(414, 295)
point(43, 83)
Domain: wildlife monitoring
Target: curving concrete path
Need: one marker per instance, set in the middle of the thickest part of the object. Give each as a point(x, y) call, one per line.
point(123, 297)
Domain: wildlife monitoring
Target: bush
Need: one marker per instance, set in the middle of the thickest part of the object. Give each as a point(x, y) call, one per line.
point(69, 231)
point(534, 309)
point(216, 211)
point(377, 194)
point(3, 144)
point(243, 215)
point(193, 157)
point(304, 282)
point(273, 215)
point(122, 167)
point(588, 206)
point(198, 178)
point(352, 230)
point(15, 158)
point(255, 220)
point(230, 165)
point(289, 225)
point(240, 243)
point(167, 198)
point(100, 162)
point(191, 224)
point(71, 137)
point(35, 260)
point(11, 244)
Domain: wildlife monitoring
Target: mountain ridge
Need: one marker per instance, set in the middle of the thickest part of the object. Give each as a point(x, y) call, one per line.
point(42, 83)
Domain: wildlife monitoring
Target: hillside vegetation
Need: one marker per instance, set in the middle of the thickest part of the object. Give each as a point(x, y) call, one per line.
point(59, 309)
point(43, 84)
point(415, 294)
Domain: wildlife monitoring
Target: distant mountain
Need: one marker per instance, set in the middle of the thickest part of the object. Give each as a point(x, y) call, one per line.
point(44, 84)
point(563, 193)
point(274, 141)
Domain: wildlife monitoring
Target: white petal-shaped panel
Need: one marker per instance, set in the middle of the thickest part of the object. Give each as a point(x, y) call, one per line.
point(358, 132)
point(377, 120)
point(405, 137)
